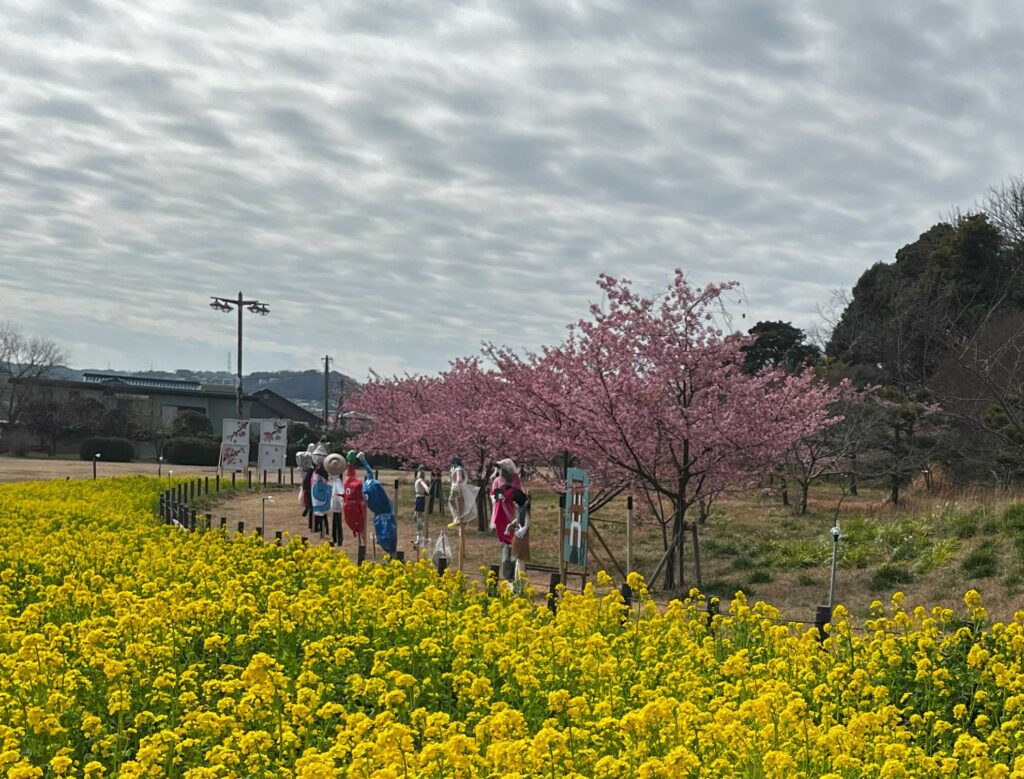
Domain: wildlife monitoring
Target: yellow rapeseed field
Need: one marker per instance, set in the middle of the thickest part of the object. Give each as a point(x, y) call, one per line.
point(128, 648)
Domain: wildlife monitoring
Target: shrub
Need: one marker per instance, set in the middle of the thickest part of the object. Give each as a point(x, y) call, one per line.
point(191, 424)
point(964, 525)
point(111, 450)
point(761, 576)
point(982, 563)
point(192, 451)
point(1013, 518)
point(805, 580)
point(890, 575)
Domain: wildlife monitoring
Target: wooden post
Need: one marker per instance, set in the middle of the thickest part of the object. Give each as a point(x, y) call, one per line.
point(264, 477)
point(223, 523)
point(280, 477)
point(248, 477)
point(291, 475)
point(561, 541)
point(629, 535)
point(232, 480)
point(209, 520)
point(206, 485)
point(396, 501)
point(462, 545)
point(217, 482)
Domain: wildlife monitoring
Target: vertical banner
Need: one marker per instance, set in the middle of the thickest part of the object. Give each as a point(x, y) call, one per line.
point(236, 432)
point(273, 444)
point(234, 445)
point(271, 458)
point(577, 517)
point(273, 432)
point(234, 457)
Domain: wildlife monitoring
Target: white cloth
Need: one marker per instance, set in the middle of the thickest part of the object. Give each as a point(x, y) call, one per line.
point(337, 493)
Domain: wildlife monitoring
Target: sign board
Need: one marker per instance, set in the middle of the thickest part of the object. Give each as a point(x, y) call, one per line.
point(271, 457)
point(577, 517)
point(234, 457)
point(236, 432)
point(273, 432)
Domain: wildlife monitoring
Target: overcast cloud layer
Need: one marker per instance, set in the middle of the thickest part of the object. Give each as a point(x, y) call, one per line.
point(400, 180)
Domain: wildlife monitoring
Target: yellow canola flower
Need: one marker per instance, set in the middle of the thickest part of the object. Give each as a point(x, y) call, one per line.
point(128, 648)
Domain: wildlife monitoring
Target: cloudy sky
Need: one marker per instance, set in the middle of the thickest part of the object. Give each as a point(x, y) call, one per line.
point(400, 180)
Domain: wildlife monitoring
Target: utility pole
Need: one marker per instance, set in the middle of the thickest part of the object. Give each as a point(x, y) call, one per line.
point(227, 305)
point(327, 385)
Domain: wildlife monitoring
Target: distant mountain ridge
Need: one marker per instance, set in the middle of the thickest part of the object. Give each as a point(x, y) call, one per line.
point(306, 388)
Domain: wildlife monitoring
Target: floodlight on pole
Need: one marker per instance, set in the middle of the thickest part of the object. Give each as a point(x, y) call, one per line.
point(228, 305)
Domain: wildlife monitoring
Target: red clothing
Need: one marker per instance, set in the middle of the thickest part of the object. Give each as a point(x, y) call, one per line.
point(353, 504)
point(505, 508)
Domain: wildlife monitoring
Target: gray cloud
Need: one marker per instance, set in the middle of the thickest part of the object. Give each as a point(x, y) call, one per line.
point(401, 180)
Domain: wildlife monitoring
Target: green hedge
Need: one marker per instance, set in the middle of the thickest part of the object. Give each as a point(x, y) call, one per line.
point(192, 451)
point(111, 450)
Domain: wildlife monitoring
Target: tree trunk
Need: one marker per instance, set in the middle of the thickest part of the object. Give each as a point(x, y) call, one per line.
point(853, 474)
point(482, 506)
point(785, 492)
point(680, 554)
point(670, 579)
point(804, 488)
point(894, 493)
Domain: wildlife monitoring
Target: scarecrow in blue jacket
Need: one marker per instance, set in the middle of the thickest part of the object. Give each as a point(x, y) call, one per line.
point(383, 513)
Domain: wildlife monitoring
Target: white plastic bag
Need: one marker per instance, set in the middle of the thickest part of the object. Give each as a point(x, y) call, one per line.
point(441, 549)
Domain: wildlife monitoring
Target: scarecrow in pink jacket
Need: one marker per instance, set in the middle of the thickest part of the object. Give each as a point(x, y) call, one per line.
point(507, 491)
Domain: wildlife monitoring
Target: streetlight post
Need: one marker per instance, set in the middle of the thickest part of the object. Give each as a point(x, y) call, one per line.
point(160, 467)
point(95, 457)
point(227, 305)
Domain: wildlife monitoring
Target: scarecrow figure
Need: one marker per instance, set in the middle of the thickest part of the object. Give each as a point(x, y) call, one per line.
point(507, 491)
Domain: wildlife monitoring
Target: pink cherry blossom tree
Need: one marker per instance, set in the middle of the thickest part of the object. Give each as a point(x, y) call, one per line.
point(651, 392)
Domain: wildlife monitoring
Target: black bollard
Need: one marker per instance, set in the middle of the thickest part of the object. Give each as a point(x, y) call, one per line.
point(553, 583)
point(712, 611)
point(264, 478)
point(305, 540)
point(822, 617)
point(277, 537)
point(248, 477)
point(361, 554)
point(232, 480)
point(442, 565)
point(223, 523)
point(400, 556)
point(280, 477)
point(209, 520)
point(217, 483)
point(241, 528)
point(206, 485)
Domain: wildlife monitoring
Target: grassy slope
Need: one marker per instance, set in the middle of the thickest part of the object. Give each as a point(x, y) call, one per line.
point(933, 548)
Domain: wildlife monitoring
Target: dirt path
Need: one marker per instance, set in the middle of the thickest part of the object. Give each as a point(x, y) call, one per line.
point(284, 514)
point(39, 469)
